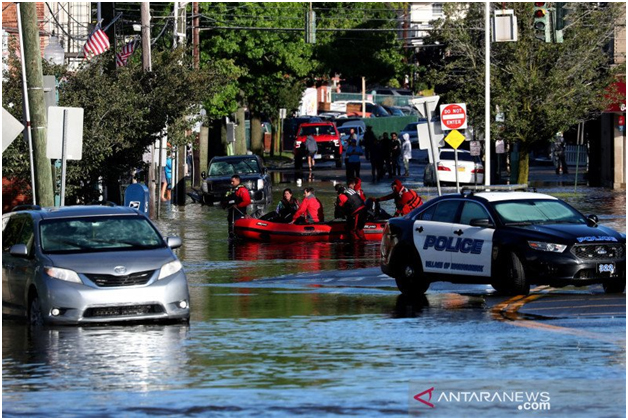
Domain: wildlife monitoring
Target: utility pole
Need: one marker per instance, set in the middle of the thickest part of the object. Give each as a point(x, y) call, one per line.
point(147, 66)
point(487, 94)
point(37, 107)
point(195, 34)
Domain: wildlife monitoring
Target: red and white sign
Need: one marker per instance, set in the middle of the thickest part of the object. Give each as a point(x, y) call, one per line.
point(453, 116)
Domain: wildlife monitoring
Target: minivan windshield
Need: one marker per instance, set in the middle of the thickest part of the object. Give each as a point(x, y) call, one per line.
point(98, 234)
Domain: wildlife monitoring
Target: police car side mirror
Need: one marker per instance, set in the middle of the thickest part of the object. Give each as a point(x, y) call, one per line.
point(203, 174)
point(485, 223)
point(592, 220)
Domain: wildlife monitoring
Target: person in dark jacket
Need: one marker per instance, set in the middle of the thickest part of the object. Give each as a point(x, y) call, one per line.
point(354, 210)
point(369, 140)
point(406, 199)
point(288, 206)
point(236, 201)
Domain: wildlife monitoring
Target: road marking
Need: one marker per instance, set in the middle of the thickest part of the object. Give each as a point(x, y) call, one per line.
point(507, 311)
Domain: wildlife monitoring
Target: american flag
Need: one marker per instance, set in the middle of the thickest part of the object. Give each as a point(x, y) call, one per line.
point(97, 44)
point(123, 56)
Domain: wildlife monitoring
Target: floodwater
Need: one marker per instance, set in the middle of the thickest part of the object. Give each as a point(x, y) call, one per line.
point(260, 348)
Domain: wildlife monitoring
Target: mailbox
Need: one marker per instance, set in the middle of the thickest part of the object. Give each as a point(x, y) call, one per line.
point(136, 196)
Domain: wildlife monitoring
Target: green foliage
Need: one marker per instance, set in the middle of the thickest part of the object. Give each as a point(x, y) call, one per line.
point(124, 112)
point(269, 61)
point(541, 87)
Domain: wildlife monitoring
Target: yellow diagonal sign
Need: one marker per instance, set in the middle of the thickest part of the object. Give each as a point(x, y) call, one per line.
point(455, 139)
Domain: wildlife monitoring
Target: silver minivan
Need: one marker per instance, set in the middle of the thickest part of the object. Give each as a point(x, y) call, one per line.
point(90, 264)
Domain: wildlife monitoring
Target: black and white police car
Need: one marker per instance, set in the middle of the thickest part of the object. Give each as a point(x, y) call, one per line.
point(507, 239)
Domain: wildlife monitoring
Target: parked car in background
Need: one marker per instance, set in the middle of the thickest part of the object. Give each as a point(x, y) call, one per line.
point(90, 264)
point(327, 139)
point(411, 130)
point(394, 111)
point(409, 110)
point(507, 239)
point(358, 126)
point(253, 175)
point(470, 169)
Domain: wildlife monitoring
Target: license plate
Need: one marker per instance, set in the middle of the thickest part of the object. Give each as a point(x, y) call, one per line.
point(461, 169)
point(603, 268)
point(317, 156)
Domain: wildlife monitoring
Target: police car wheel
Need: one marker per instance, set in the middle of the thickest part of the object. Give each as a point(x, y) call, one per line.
point(515, 276)
point(409, 278)
point(614, 286)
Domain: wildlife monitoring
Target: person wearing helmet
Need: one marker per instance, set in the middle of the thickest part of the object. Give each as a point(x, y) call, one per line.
point(351, 205)
point(406, 199)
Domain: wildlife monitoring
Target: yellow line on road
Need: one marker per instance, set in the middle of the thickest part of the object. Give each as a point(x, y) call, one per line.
point(507, 311)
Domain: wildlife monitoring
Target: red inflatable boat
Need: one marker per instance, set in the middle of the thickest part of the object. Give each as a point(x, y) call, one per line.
point(266, 231)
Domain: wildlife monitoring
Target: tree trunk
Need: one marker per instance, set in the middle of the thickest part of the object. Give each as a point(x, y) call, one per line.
point(257, 141)
point(240, 145)
point(524, 166)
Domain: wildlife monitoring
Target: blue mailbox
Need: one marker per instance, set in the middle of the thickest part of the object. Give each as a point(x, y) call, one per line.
point(136, 196)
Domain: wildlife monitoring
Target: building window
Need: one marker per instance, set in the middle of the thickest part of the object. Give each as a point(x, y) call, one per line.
point(437, 10)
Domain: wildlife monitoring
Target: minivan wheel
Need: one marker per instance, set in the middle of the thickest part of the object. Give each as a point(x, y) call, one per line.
point(410, 278)
point(35, 316)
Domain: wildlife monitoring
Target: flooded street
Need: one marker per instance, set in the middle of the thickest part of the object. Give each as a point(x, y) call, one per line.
point(313, 330)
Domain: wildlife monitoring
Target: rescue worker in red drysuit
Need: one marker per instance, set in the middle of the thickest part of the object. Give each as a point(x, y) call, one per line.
point(356, 185)
point(406, 200)
point(236, 201)
point(310, 210)
point(352, 206)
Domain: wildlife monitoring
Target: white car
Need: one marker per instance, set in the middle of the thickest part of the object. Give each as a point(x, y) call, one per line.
point(470, 169)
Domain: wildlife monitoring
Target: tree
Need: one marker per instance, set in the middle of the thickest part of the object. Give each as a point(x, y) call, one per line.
point(541, 87)
point(271, 61)
point(124, 112)
point(371, 50)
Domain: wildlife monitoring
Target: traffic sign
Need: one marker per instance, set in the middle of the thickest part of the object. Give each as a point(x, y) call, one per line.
point(453, 116)
point(65, 125)
point(11, 128)
point(454, 139)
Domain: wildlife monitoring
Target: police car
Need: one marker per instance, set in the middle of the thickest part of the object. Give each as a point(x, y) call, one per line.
point(507, 239)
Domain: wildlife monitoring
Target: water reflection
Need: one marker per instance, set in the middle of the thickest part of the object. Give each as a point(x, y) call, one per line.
point(136, 358)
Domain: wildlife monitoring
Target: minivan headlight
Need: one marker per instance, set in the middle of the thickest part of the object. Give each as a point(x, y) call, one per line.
point(62, 274)
point(169, 269)
point(546, 246)
point(260, 184)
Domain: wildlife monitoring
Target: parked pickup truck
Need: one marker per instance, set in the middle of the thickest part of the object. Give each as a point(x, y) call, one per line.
point(328, 139)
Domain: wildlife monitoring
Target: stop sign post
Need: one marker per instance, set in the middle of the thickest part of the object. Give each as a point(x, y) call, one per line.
point(453, 116)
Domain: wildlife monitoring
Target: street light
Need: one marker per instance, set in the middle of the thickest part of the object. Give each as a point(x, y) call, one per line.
point(54, 52)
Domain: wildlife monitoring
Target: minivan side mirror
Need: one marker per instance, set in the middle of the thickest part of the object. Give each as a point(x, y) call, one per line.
point(174, 242)
point(19, 250)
